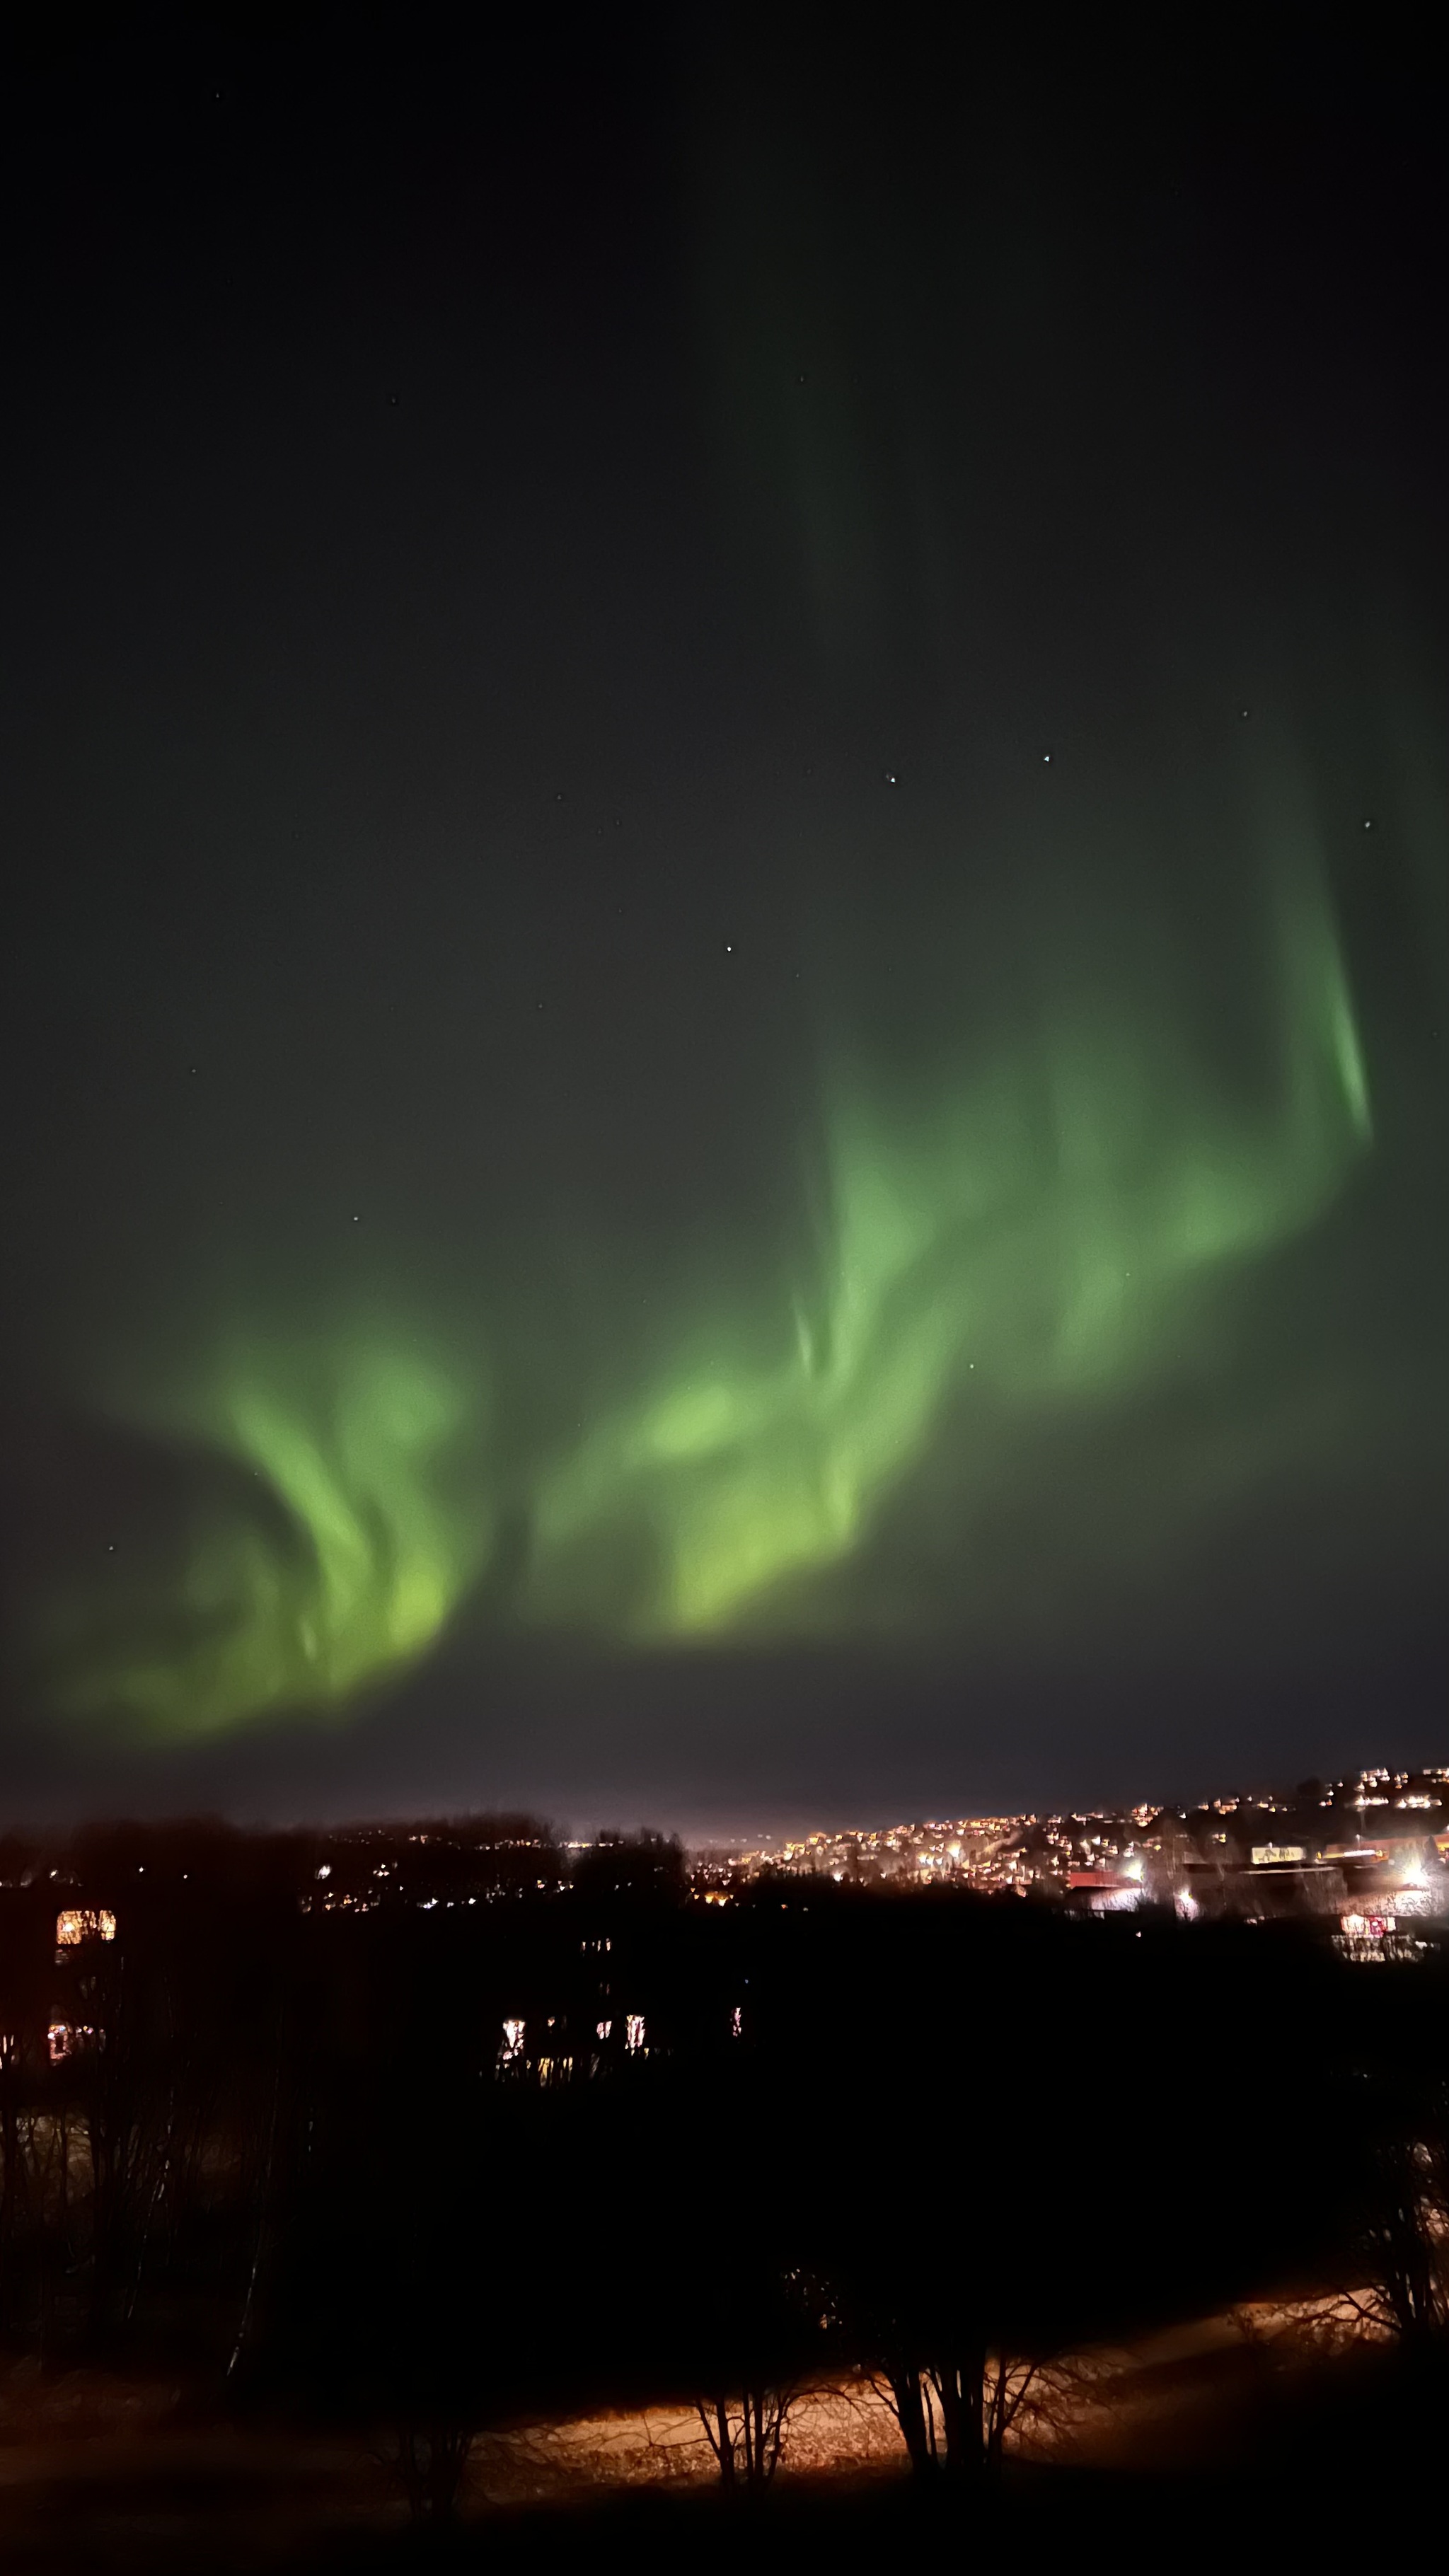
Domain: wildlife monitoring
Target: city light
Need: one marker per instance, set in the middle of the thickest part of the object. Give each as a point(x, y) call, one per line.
point(1308, 1855)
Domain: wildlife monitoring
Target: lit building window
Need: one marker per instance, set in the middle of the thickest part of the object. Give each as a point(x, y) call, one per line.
point(634, 2033)
point(67, 2038)
point(83, 1923)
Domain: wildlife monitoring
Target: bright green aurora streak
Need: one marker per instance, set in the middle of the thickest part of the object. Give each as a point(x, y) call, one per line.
point(1030, 1242)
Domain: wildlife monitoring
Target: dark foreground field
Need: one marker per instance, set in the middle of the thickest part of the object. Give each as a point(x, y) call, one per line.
point(1218, 2450)
point(1154, 2217)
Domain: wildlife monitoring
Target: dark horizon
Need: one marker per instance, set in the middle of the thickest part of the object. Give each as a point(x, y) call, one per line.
point(633, 1787)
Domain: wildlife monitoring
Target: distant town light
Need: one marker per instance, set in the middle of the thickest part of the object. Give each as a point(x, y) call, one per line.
point(83, 1923)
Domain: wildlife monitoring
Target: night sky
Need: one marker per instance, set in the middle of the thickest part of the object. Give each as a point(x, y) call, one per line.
point(726, 972)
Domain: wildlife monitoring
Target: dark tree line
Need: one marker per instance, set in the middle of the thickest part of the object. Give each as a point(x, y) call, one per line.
point(520, 2138)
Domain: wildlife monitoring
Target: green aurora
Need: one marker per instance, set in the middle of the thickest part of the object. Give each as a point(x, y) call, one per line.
point(671, 1014)
point(1028, 1237)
